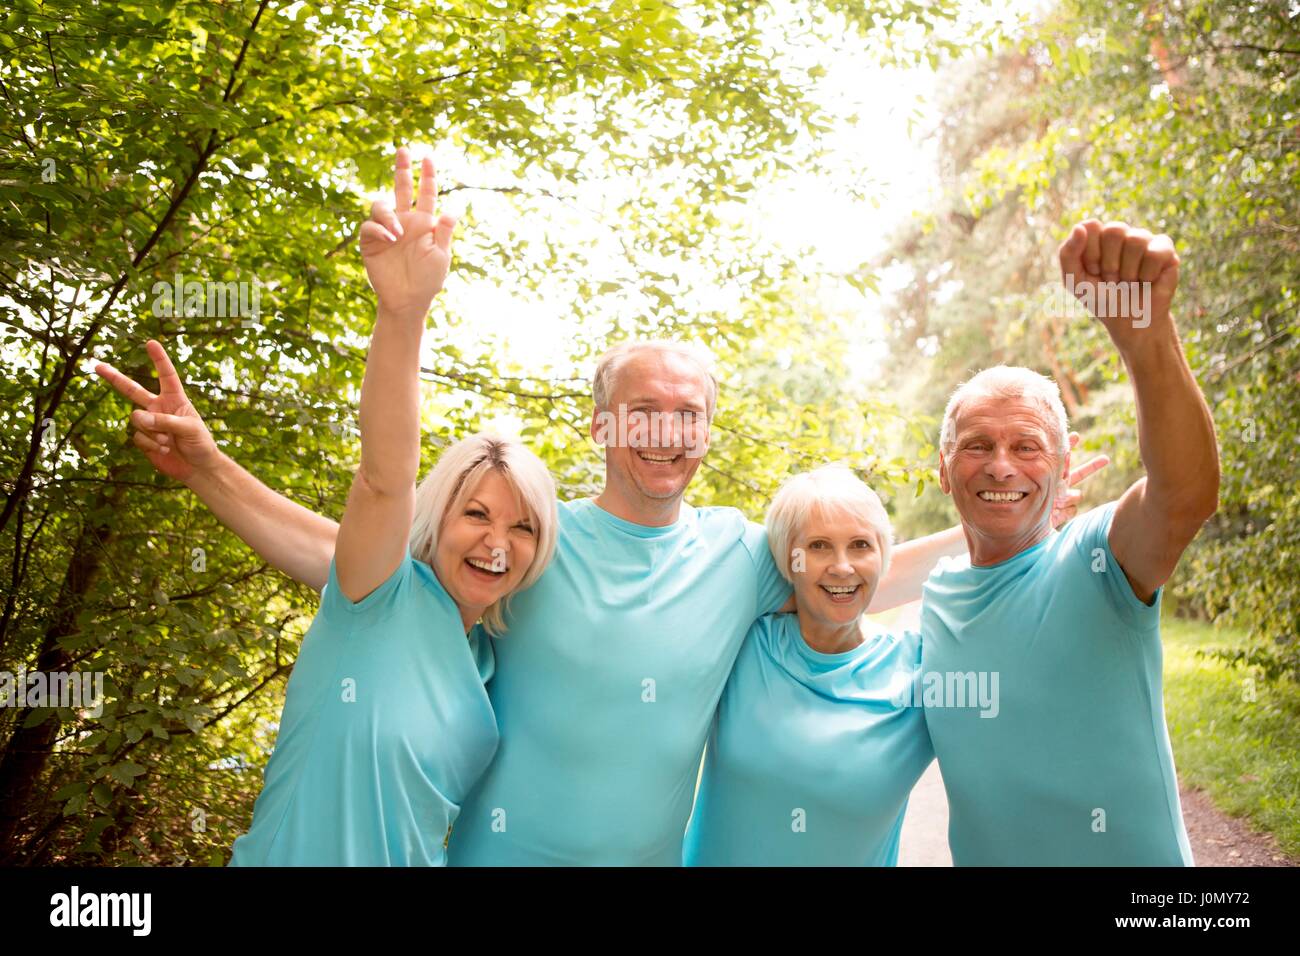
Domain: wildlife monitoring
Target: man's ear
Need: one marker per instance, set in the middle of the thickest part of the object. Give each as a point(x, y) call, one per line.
point(943, 476)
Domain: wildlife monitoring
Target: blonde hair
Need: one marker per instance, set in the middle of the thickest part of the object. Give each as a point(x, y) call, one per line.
point(609, 365)
point(1009, 381)
point(453, 479)
point(832, 489)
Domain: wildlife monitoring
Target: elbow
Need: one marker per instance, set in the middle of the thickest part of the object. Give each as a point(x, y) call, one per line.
point(1209, 501)
point(384, 482)
point(1192, 513)
point(1199, 498)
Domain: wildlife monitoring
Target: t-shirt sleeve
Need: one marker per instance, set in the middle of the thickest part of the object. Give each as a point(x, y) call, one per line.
point(1091, 534)
point(376, 605)
point(773, 590)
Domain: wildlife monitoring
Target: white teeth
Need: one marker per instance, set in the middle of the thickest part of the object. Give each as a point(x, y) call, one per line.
point(485, 565)
point(840, 590)
point(1002, 495)
point(649, 457)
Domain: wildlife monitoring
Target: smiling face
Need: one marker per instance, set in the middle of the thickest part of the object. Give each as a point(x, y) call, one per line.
point(840, 556)
point(1003, 473)
point(485, 546)
point(664, 397)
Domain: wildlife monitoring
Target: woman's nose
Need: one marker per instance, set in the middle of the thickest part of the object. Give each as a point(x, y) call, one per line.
point(842, 566)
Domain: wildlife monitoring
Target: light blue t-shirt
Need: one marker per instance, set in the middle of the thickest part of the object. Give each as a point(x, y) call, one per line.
point(812, 756)
point(606, 682)
point(1073, 766)
point(386, 726)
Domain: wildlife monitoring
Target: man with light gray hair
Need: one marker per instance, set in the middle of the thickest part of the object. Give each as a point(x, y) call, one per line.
point(613, 663)
point(1076, 768)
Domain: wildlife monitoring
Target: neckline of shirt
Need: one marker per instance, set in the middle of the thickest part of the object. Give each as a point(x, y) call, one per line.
point(1051, 536)
point(795, 635)
point(684, 517)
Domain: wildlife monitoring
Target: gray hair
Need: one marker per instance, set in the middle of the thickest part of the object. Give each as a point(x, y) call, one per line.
point(834, 488)
point(607, 369)
point(1009, 381)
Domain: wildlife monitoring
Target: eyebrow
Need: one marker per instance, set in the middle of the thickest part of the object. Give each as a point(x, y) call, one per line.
point(1039, 434)
point(852, 536)
point(646, 400)
point(474, 501)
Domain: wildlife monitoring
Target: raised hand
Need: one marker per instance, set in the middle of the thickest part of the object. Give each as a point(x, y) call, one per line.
point(406, 250)
point(1067, 500)
point(1123, 275)
point(168, 429)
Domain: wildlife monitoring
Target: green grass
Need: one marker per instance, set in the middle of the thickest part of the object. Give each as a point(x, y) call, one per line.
point(1245, 754)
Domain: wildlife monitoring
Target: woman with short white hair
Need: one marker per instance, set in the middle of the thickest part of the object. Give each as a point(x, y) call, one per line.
point(815, 745)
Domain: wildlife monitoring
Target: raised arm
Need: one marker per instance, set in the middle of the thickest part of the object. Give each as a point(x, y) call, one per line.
point(407, 254)
point(171, 434)
point(914, 560)
point(1160, 514)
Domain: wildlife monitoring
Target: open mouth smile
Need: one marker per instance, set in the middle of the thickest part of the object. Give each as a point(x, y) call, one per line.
point(1002, 496)
point(485, 569)
point(656, 458)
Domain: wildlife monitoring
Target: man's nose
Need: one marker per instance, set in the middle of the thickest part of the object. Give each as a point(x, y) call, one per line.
point(1001, 466)
point(670, 430)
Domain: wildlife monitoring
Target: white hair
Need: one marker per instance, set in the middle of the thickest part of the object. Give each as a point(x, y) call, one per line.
point(831, 489)
point(453, 480)
point(607, 369)
point(1009, 382)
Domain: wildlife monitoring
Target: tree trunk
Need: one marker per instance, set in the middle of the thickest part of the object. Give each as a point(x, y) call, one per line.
point(28, 750)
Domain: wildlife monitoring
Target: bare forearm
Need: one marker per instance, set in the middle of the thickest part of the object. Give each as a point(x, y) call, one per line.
point(377, 523)
point(390, 404)
point(289, 537)
point(911, 564)
point(1175, 428)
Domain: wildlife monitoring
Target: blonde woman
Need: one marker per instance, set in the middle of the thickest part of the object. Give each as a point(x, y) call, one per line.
point(387, 723)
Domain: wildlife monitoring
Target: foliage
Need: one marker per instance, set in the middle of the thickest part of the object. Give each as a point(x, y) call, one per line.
point(1184, 118)
point(232, 142)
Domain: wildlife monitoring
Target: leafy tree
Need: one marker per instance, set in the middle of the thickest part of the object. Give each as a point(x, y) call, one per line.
point(147, 145)
point(1182, 117)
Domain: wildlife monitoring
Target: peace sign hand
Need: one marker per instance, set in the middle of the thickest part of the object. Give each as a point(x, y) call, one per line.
point(168, 430)
point(1067, 500)
point(407, 251)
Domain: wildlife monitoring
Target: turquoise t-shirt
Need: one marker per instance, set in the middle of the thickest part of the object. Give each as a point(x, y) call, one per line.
point(1072, 766)
point(605, 686)
point(812, 756)
point(386, 726)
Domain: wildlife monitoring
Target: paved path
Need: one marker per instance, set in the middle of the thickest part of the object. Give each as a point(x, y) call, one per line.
point(1216, 838)
point(925, 826)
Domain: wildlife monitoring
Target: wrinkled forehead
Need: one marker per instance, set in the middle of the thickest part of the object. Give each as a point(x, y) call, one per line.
point(664, 377)
point(990, 415)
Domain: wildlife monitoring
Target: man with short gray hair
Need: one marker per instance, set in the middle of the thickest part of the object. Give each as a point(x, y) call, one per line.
point(613, 663)
point(1076, 767)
